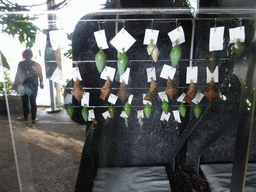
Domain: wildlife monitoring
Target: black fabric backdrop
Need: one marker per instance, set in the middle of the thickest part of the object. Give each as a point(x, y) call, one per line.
point(154, 142)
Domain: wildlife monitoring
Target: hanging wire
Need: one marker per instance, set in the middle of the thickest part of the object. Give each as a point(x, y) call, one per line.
point(240, 22)
point(192, 43)
point(123, 23)
point(177, 24)
point(215, 24)
point(99, 25)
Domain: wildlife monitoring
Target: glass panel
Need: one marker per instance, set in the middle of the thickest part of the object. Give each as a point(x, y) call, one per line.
point(62, 149)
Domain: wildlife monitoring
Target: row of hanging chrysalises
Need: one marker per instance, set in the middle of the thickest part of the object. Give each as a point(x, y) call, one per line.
point(123, 41)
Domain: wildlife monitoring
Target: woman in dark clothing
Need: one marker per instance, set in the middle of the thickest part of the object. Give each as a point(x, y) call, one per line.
point(26, 83)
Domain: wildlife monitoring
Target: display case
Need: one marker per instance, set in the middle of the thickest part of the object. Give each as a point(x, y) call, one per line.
point(208, 137)
point(207, 119)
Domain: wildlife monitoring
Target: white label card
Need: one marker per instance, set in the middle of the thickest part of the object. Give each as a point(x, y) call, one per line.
point(236, 34)
point(176, 115)
point(214, 75)
point(177, 36)
point(151, 73)
point(163, 96)
point(181, 97)
point(125, 76)
point(101, 40)
point(130, 99)
point(199, 96)
point(140, 114)
point(112, 98)
point(123, 115)
point(58, 38)
point(91, 115)
point(167, 71)
point(108, 72)
point(85, 100)
point(68, 99)
point(122, 40)
point(192, 73)
point(1, 73)
point(150, 34)
point(57, 75)
point(165, 116)
point(216, 39)
point(76, 74)
point(106, 115)
point(145, 101)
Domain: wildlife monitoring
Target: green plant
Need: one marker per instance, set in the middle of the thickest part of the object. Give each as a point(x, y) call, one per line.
point(8, 83)
point(68, 53)
point(18, 24)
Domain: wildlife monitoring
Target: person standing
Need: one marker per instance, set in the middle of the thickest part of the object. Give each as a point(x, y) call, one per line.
point(28, 77)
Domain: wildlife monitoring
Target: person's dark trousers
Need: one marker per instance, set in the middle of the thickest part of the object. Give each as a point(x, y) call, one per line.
point(25, 102)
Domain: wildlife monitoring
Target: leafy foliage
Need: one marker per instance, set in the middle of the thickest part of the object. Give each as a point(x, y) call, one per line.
point(4, 61)
point(8, 83)
point(68, 54)
point(18, 24)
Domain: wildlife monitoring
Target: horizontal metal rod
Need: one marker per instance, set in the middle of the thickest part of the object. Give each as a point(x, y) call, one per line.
point(134, 88)
point(174, 11)
point(112, 61)
point(157, 20)
point(137, 19)
point(133, 106)
point(150, 11)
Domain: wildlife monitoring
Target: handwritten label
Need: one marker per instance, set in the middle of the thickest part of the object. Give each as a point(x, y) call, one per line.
point(177, 36)
point(165, 117)
point(236, 34)
point(192, 73)
point(151, 73)
point(181, 97)
point(163, 96)
point(112, 98)
point(214, 75)
point(68, 99)
point(108, 72)
point(125, 76)
point(150, 34)
point(101, 40)
point(85, 100)
point(197, 99)
point(216, 39)
point(130, 99)
point(123, 115)
point(167, 71)
point(176, 115)
point(106, 115)
point(146, 101)
point(122, 40)
point(91, 115)
point(140, 114)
